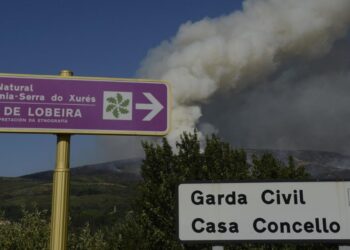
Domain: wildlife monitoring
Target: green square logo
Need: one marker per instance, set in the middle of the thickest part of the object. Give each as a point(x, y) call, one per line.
point(117, 105)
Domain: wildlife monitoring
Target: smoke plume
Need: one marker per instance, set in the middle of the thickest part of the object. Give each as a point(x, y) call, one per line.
point(211, 60)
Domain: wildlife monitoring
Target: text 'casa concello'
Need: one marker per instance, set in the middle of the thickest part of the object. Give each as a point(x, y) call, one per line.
point(260, 225)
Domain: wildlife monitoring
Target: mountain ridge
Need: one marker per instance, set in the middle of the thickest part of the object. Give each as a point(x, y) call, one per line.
point(320, 165)
point(102, 193)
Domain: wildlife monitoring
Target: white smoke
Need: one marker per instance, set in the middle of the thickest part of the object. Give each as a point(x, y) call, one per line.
point(234, 50)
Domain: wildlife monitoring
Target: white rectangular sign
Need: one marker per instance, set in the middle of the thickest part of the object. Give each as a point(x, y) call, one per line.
point(264, 211)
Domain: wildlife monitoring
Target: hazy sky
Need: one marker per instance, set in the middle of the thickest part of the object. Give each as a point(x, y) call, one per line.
point(92, 38)
point(268, 74)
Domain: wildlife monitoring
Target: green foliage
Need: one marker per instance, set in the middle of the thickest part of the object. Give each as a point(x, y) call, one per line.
point(268, 167)
point(100, 200)
point(224, 163)
point(152, 222)
point(30, 232)
point(86, 239)
point(152, 225)
point(128, 235)
point(156, 213)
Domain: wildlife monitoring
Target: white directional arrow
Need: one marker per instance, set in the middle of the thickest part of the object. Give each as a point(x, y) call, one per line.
point(155, 106)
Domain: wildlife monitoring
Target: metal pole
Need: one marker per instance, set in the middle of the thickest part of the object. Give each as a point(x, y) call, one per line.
point(60, 190)
point(217, 248)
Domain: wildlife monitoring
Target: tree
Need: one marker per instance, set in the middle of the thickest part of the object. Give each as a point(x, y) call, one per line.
point(30, 232)
point(153, 221)
point(268, 167)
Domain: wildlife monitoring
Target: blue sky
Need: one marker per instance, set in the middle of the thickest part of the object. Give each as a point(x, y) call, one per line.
point(92, 38)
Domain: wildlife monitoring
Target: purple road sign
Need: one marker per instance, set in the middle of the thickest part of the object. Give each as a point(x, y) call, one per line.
point(82, 105)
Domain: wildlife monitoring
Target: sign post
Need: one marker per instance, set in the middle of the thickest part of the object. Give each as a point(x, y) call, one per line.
point(66, 105)
point(217, 248)
point(60, 190)
point(309, 211)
